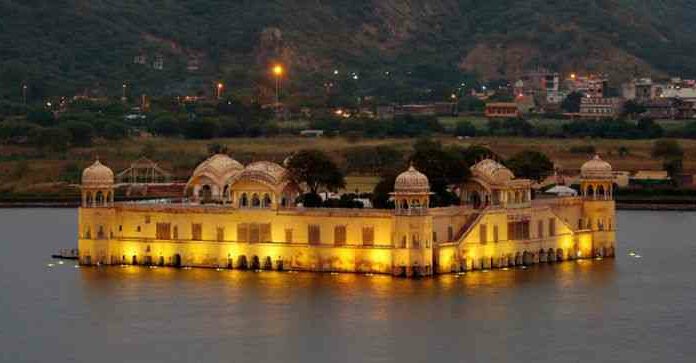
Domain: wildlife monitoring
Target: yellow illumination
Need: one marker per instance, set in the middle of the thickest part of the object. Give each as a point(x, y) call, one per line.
point(278, 70)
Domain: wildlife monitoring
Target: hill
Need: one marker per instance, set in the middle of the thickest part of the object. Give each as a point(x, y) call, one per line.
point(67, 46)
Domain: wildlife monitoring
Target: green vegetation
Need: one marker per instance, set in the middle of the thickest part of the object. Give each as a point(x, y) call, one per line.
point(400, 50)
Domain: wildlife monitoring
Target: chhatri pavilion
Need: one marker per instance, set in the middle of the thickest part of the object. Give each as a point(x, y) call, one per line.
point(245, 217)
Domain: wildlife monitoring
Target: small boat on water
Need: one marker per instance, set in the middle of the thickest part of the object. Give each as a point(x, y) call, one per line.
point(66, 255)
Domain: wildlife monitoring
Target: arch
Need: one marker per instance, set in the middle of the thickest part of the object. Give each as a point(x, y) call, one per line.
point(255, 201)
point(255, 263)
point(161, 261)
point(244, 201)
point(404, 204)
point(475, 199)
point(268, 263)
point(99, 199)
point(177, 260)
point(267, 202)
point(279, 264)
point(242, 262)
point(589, 191)
point(205, 193)
point(89, 199)
point(551, 255)
point(226, 195)
point(559, 255)
point(134, 260)
point(601, 192)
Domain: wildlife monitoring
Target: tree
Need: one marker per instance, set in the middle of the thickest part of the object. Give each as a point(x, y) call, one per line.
point(81, 133)
point(443, 167)
point(572, 102)
point(381, 193)
point(53, 139)
point(648, 128)
point(166, 126)
point(202, 129)
point(632, 108)
point(115, 130)
point(673, 166)
point(41, 117)
point(667, 149)
point(316, 170)
point(465, 128)
point(530, 164)
point(475, 153)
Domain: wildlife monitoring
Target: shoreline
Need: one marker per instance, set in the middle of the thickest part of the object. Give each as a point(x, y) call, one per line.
point(622, 205)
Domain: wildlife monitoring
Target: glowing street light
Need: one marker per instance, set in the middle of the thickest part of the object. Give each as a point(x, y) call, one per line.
point(24, 93)
point(278, 73)
point(220, 86)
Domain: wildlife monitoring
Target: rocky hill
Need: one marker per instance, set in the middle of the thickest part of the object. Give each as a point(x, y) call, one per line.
point(64, 46)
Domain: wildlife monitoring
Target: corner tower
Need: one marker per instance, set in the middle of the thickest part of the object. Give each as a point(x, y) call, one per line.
point(596, 228)
point(97, 186)
point(413, 228)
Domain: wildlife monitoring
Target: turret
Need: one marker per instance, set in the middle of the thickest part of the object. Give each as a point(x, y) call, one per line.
point(97, 186)
point(596, 180)
point(411, 192)
point(413, 228)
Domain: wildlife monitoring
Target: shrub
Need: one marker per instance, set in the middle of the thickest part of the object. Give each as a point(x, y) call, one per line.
point(582, 149)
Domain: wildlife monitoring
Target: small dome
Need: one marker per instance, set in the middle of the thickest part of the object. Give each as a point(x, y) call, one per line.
point(412, 181)
point(218, 164)
point(492, 172)
point(264, 170)
point(97, 174)
point(596, 169)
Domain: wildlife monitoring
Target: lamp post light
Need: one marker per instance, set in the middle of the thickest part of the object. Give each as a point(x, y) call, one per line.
point(278, 74)
point(24, 93)
point(124, 88)
point(220, 87)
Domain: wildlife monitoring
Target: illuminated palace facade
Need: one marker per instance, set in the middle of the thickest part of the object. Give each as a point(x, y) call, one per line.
point(244, 217)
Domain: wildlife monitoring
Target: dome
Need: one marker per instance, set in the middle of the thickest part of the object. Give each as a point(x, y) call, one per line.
point(97, 174)
point(412, 181)
point(218, 164)
point(596, 169)
point(492, 172)
point(264, 170)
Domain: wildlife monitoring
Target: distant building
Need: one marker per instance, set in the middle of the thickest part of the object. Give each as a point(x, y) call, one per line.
point(502, 110)
point(592, 85)
point(140, 59)
point(428, 109)
point(669, 108)
point(600, 107)
point(158, 63)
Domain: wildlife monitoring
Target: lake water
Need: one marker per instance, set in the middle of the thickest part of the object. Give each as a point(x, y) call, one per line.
point(625, 309)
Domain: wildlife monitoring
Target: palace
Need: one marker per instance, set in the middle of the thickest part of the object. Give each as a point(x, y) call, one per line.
point(245, 217)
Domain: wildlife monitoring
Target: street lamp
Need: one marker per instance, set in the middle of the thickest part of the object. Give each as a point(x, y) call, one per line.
point(24, 93)
point(123, 95)
point(220, 86)
point(278, 73)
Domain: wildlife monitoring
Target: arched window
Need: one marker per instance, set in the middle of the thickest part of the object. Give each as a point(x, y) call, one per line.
point(205, 194)
point(89, 200)
point(267, 201)
point(601, 192)
point(404, 204)
point(255, 201)
point(226, 193)
point(415, 203)
point(100, 198)
point(589, 191)
point(244, 201)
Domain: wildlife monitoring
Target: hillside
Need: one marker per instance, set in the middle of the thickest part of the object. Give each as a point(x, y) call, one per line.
point(67, 46)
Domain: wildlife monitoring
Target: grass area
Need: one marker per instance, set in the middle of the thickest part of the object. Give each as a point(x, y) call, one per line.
point(481, 123)
point(23, 169)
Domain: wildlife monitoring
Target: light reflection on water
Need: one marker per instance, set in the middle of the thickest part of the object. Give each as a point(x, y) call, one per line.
point(625, 309)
